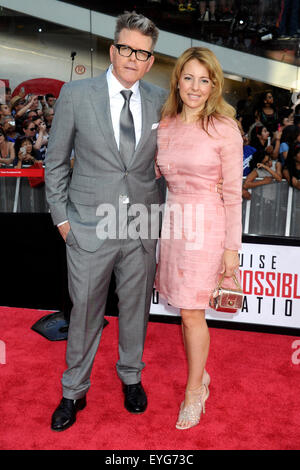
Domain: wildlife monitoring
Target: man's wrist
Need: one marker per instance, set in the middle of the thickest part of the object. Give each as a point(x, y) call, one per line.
point(62, 223)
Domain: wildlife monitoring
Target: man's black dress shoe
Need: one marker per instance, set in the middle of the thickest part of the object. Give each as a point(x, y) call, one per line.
point(135, 398)
point(65, 414)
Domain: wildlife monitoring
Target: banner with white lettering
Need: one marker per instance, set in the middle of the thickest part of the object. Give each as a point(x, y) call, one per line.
point(270, 277)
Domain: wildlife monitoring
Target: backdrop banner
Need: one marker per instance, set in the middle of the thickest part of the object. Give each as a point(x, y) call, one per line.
point(270, 278)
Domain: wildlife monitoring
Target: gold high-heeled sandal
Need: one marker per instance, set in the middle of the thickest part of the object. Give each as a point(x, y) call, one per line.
point(191, 413)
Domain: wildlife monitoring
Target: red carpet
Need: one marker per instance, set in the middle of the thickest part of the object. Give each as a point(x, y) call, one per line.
point(253, 404)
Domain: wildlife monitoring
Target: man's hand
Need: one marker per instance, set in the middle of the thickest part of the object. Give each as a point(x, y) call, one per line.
point(220, 188)
point(64, 230)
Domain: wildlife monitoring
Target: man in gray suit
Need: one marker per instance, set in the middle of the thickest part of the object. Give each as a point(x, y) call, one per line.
point(111, 123)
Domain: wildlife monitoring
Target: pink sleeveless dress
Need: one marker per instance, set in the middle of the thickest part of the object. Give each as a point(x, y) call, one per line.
point(197, 223)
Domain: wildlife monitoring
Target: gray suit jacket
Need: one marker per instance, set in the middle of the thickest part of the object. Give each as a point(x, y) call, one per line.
point(83, 122)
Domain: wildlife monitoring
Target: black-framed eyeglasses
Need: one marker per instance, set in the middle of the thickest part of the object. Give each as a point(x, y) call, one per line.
point(126, 51)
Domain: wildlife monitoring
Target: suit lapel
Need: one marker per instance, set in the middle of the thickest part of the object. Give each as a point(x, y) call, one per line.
point(100, 102)
point(147, 120)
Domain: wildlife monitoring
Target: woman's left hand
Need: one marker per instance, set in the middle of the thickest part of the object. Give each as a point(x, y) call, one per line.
point(230, 263)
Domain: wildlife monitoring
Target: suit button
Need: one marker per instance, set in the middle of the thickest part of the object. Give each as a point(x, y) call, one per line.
point(126, 173)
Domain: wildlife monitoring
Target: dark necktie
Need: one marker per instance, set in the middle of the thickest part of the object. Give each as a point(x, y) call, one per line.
point(127, 134)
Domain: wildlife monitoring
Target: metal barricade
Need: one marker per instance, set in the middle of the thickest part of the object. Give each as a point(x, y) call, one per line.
point(268, 209)
point(31, 199)
point(7, 194)
point(295, 215)
point(16, 194)
point(274, 209)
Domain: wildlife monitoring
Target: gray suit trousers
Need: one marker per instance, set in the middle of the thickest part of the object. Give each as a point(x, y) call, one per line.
point(89, 279)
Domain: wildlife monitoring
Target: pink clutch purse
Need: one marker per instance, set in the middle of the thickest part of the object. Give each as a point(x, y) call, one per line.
point(225, 299)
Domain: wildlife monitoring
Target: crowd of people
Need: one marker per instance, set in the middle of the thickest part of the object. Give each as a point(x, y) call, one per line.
point(271, 136)
point(271, 143)
point(25, 124)
point(263, 13)
point(280, 16)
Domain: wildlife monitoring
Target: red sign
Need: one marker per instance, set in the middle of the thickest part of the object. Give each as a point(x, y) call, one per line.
point(35, 172)
point(80, 69)
point(6, 81)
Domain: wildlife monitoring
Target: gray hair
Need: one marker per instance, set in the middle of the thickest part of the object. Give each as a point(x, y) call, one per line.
point(137, 22)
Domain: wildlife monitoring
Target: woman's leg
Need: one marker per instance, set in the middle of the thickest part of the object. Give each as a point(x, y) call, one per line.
point(205, 376)
point(196, 340)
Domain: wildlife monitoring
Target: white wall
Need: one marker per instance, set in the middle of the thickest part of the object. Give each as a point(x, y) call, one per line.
point(26, 56)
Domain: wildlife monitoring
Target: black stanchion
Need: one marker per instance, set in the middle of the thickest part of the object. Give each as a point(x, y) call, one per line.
point(54, 326)
point(35, 267)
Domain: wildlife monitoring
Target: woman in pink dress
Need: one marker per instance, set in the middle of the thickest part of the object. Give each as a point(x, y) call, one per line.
point(199, 142)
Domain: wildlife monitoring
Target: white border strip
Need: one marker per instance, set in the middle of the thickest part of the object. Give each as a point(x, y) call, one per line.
point(289, 212)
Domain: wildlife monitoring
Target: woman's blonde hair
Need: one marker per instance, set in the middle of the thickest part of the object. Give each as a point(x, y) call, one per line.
point(215, 106)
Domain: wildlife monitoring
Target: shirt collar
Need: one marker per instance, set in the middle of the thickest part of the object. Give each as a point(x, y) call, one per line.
point(115, 87)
